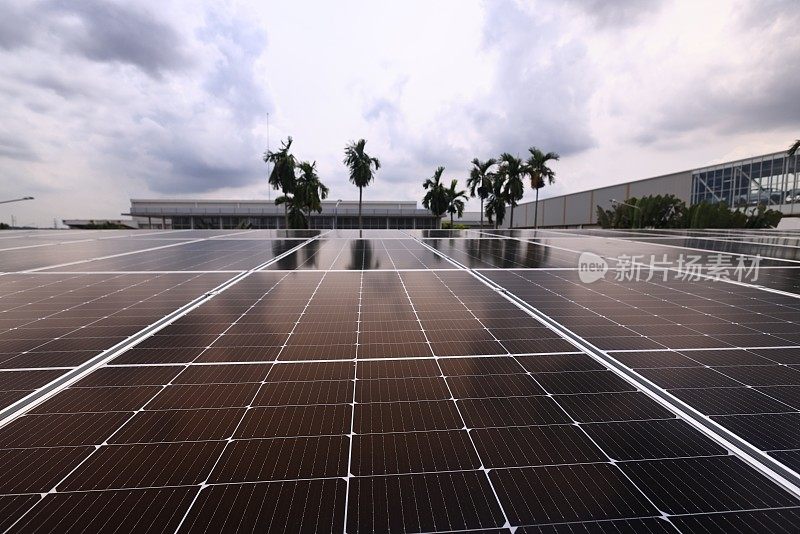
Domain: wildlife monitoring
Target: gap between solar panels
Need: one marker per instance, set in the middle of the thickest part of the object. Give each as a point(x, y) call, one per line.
point(45, 392)
point(753, 456)
point(674, 269)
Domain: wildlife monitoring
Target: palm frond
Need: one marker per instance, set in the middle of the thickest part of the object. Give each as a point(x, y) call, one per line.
point(436, 198)
point(362, 166)
point(513, 169)
point(538, 170)
point(282, 175)
point(794, 148)
point(480, 176)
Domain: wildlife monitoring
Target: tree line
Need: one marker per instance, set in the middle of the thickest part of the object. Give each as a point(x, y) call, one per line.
point(496, 182)
point(668, 211)
point(301, 189)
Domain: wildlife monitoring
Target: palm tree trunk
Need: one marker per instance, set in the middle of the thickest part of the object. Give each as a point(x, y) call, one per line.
point(451, 221)
point(481, 214)
point(536, 211)
point(511, 221)
point(360, 191)
point(285, 213)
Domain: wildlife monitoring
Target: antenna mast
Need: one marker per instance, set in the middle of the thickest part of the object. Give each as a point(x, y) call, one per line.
point(269, 188)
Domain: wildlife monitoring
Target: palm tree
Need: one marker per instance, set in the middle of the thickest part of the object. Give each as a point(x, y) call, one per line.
point(513, 169)
point(282, 176)
point(539, 172)
point(310, 189)
point(794, 148)
point(480, 180)
point(496, 200)
point(435, 199)
point(293, 205)
point(362, 169)
point(455, 201)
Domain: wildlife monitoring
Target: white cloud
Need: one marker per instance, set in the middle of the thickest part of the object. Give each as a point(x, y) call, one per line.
point(104, 101)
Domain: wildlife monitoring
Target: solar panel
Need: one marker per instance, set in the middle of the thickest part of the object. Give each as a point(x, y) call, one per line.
point(53, 324)
point(407, 382)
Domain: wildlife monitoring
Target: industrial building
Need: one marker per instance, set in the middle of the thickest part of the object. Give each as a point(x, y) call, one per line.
point(92, 224)
point(771, 179)
point(227, 214)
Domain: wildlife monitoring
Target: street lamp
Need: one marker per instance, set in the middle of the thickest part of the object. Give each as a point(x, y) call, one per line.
point(614, 202)
point(15, 200)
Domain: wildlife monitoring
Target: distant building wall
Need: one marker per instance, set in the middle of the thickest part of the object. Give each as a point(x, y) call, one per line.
point(771, 179)
point(579, 209)
point(229, 214)
point(678, 184)
point(81, 224)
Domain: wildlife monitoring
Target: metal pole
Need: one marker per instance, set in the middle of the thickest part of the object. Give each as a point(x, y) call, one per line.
point(614, 201)
point(15, 200)
point(269, 189)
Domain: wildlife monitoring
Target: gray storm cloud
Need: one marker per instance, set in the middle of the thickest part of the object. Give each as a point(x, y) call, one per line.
point(105, 100)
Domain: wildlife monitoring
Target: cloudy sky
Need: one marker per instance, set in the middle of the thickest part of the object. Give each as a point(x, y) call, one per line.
point(103, 101)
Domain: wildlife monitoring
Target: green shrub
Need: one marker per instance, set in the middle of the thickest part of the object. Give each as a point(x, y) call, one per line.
point(446, 226)
point(668, 211)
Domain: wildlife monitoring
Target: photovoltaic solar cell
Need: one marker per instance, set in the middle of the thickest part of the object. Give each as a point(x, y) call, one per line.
point(373, 384)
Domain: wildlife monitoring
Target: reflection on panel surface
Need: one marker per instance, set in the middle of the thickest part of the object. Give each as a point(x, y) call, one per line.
point(372, 384)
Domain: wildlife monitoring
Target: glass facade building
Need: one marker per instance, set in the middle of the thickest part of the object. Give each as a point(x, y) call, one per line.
point(771, 180)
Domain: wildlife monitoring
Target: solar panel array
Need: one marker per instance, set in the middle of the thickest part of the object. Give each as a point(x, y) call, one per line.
point(206, 381)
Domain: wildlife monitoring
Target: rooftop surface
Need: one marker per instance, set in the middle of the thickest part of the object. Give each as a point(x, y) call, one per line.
point(429, 381)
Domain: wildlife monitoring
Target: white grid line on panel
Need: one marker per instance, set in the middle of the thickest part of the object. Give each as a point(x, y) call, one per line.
point(710, 428)
point(458, 410)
